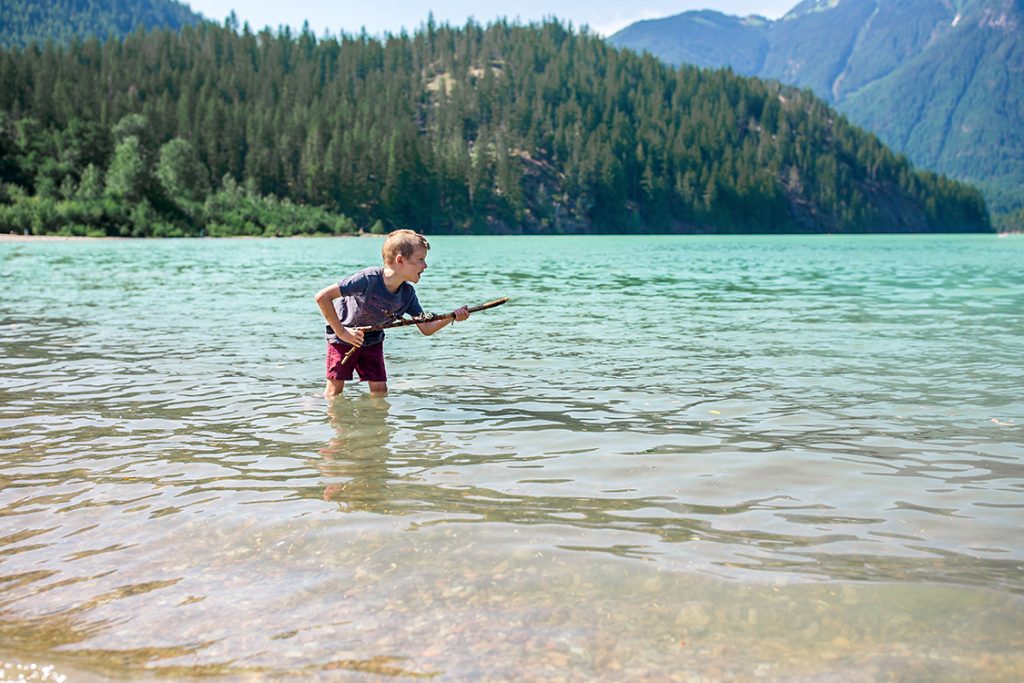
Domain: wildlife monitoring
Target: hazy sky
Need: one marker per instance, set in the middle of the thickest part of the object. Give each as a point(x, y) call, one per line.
point(377, 16)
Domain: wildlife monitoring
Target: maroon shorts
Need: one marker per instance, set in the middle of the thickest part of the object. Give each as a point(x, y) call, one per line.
point(368, 361)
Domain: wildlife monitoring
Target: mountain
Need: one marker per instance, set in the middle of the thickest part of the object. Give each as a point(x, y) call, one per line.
point(702, 38)
point(504, 128)
point(939, 80)
point(27, 22)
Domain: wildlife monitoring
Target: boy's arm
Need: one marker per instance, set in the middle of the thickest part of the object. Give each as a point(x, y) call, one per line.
point(432, 327)
point(325, 300)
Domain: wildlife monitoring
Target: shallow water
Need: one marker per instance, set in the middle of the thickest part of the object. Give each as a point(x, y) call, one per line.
point(729, 458)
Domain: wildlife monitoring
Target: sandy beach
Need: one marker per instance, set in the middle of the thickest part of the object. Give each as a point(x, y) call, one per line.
point(15, 237)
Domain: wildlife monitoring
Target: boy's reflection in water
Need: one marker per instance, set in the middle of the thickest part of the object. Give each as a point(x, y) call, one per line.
point(355, 461)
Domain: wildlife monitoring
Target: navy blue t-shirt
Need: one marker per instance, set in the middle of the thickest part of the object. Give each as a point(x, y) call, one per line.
point(365, 300)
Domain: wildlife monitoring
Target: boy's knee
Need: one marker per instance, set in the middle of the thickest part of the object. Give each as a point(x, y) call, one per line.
point(378, 388)
point(334, 388)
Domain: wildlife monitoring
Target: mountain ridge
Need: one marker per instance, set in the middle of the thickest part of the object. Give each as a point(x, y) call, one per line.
point(931, 78)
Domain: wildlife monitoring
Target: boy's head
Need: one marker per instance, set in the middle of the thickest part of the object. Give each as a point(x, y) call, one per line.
point(404, 243)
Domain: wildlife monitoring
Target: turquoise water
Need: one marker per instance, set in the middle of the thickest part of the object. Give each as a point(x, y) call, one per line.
point(667, 458)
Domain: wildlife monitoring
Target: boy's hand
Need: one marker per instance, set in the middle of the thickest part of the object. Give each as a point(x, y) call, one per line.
point(461, 313)
point(352, 336)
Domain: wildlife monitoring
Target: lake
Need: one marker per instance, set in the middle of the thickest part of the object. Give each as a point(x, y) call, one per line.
point(665, 459)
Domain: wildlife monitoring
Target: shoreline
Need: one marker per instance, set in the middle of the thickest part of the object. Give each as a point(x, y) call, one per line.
point(15, 237)
point(6, 237)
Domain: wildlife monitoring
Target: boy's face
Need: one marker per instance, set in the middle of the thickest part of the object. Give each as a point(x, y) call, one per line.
point(411, 268)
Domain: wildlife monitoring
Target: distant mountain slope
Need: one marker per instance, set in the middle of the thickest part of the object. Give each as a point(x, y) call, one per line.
point(25, 22)
point(939, 80)
point(704, 38)
point(959, 106)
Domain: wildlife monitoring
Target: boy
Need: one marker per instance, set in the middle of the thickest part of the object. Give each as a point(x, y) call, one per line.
point(371, 297)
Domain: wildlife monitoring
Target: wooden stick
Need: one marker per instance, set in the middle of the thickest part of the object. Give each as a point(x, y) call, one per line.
point(428, 317)
point(415, 320)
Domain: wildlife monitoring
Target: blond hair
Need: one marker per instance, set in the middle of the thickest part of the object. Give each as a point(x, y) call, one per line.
point(404, 242)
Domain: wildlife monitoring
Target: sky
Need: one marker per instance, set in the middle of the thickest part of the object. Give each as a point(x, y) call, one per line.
point(604, 17)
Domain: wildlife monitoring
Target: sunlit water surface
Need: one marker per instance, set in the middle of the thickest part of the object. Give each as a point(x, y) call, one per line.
point(756, 458)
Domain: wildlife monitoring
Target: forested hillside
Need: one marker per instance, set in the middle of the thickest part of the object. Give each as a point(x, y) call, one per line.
point(936, 80)
point(216, 130)
point(24, 22)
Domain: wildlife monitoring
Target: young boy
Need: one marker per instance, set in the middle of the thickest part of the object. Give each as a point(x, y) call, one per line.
point(372, 297)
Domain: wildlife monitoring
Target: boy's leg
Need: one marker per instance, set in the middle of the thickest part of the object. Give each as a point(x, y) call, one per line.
point(370, 366)
point(337, 374)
